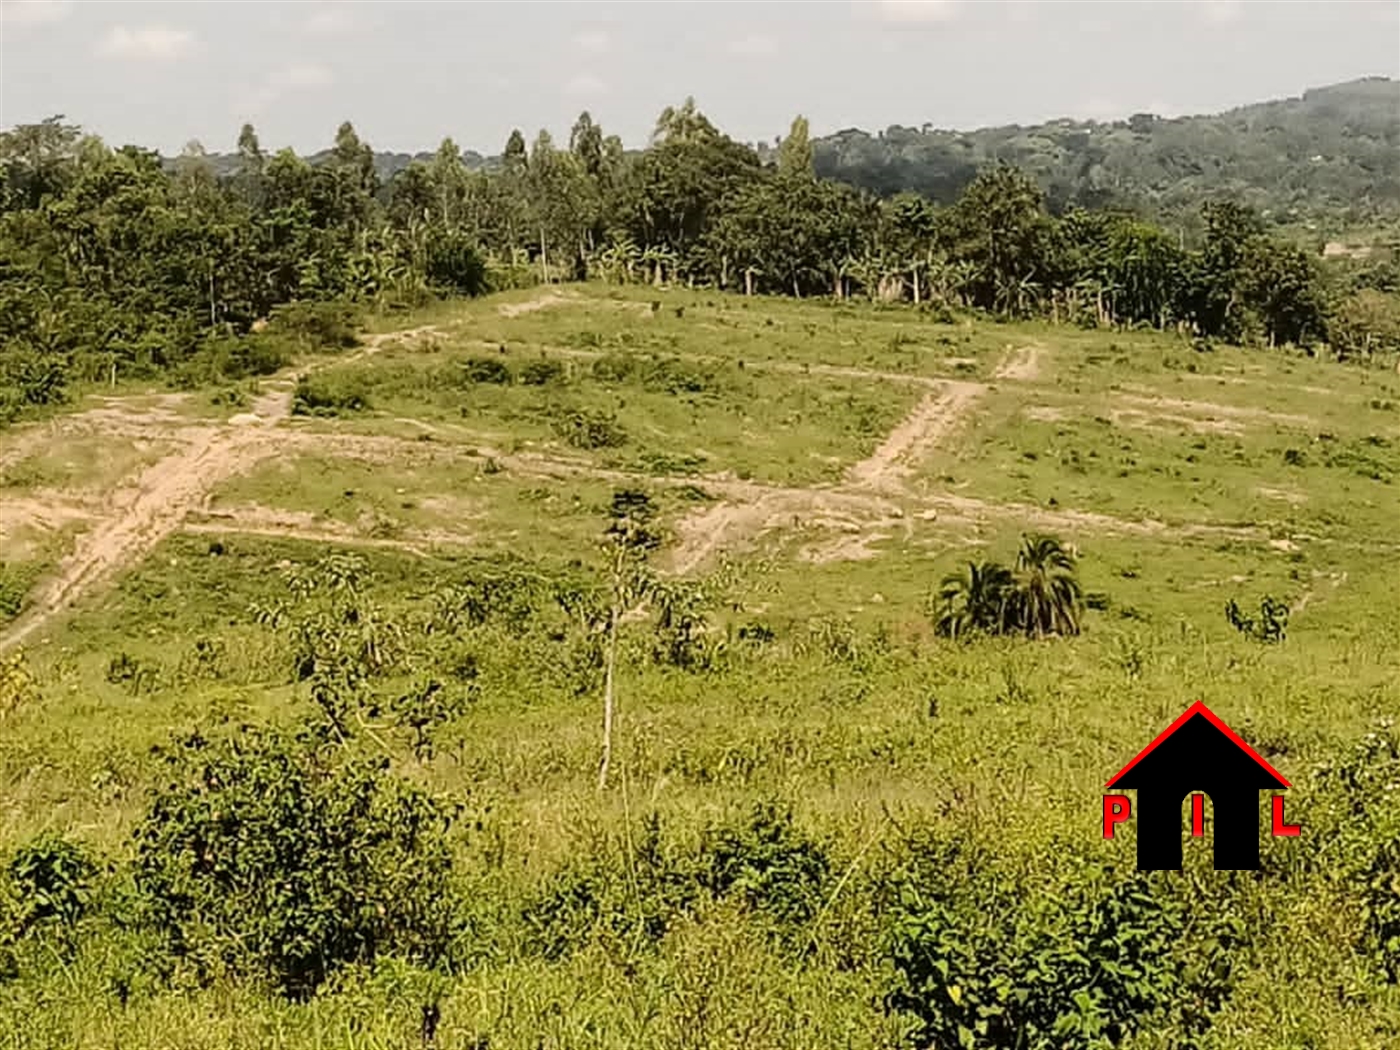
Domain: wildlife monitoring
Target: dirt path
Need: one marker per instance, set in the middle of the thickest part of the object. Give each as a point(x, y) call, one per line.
point(1215, 411)
point(1023, 365)
point(157, 503)
point(254, 520)
point(540, 302)
point(162, 496)
point(919, 432)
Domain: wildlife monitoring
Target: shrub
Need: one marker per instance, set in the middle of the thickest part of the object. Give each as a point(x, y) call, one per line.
point(588, 429)
point(1270, 628)
point(988, 958)
point(774, 867)
point(17, 683)
point(605, 896)
point(454, 266)
point(614, 368)
point(485, 370)
point(542, 373)
point(317, 325)
point(261, 856)
point(330, 394)
point(48, 879)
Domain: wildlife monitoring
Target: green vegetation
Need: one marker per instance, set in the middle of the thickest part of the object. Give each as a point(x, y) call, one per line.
point(119, 266)
point(645, 661)
point(1313, 157)
point(324, 768)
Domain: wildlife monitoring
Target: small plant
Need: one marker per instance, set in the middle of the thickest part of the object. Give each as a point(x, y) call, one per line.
point(50, 879)
point(330, 394)
point(1272, 625)
point(485, 370)
point(18, 685)
point(769, 863)
point(588, 429)
point(317, 325)
point(542, 373)
point(134, 675)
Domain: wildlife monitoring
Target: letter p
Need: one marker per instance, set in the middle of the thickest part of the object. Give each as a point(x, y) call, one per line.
point(1116, 809)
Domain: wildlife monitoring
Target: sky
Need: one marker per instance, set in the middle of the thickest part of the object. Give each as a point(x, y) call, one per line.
point(409, 73)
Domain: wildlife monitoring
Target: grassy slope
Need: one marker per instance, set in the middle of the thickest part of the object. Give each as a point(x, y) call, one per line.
point(855, 715)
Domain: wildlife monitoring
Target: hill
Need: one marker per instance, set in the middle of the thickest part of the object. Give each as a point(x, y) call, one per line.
point(1335, 150)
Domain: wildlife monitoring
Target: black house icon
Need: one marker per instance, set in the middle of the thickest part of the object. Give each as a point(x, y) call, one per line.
point(1198, 752)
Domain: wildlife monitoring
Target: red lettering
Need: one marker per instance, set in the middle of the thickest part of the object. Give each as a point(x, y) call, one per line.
point(1116, 809)
point(1198, 816)
point(1280, 828)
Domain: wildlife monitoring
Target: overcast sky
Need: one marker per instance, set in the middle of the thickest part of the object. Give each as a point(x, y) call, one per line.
point(407, 74)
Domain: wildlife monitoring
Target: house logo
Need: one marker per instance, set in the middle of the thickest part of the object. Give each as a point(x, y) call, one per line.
point(1200, 756)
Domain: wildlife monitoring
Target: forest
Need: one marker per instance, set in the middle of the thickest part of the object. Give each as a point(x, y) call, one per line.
point(117, 264)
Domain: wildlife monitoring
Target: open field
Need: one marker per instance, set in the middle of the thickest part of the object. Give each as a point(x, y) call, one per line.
point(816, 470)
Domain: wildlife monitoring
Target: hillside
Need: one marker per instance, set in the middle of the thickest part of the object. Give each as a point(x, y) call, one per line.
point(1334, 150)
point(302, 687)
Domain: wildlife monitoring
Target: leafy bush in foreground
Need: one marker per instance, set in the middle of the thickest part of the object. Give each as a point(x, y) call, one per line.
point(988, 959)
point(262, 856)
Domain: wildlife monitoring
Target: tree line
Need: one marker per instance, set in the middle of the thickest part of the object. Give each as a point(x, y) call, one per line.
point(117, 260)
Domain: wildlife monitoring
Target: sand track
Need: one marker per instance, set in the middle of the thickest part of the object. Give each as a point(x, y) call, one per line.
point(172, 494)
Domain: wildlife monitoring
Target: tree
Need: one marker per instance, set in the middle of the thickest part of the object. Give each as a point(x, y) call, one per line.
point(795, 153)
point(999, 225)
point(1047, 597)
point(975, 599)
point(626, 543)
point(1041, 596)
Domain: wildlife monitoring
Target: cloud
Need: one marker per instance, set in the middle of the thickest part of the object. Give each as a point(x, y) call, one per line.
point(278, 83)
point(755, 45)
point(915, 12)
point(154, 43)
point(585, 85)
point(594, 40)
point(304, 75)
point(333, 21)
point(1220, 12)
point(33, 12)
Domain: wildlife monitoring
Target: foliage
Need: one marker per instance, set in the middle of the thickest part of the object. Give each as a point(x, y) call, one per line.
point(47, 880)
point(263, 856)
point(1041, 596)
point(987, 958)
point(768, 862)
point(1272, 625)
point(588, 428)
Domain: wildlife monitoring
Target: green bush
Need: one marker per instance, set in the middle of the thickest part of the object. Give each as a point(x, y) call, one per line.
point(453, 265)
point(542, 373)
point(485, 370)
point(330, 394)
point(626, 903)
point(995, 958)
point(588, 429)
point(49, 879)
point(317, 325)
point(263, 856)
point(774, 867)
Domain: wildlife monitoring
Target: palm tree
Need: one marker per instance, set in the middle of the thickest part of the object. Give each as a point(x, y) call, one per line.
point(1048, 598)
point(977, 599)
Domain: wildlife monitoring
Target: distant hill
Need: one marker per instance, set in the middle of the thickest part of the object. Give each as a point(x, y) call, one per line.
point(1335, 150)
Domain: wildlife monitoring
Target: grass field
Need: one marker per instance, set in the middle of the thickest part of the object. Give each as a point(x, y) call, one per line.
point(816, 470)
